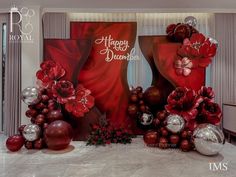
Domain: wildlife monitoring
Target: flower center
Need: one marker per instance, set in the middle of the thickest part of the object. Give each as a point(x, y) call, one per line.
point(196, 45)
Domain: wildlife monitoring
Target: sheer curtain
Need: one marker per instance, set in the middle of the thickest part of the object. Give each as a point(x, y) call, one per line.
point(139, 72)
point(12, 106)
point(224, 65)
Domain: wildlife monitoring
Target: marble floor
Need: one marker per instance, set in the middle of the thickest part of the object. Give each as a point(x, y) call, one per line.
point(133, 160)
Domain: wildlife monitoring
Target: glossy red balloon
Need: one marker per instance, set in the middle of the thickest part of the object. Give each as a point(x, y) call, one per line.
point(54, 115)
point(153, 96)
point(151, 138)
point(58, 135)
point(15, 143)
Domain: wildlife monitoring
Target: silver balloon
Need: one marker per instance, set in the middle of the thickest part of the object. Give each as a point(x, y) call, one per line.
point(208, 139)
point(31, 95)
point(214, 41)
point(190, 20)
point(175, 123)
point(146, 119)
point(31, 132)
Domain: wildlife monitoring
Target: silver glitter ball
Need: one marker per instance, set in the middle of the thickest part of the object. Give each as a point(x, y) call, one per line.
point(175, 123)
point(31, 132)
point(31, 95)
point(190, 20)
point(208, 139)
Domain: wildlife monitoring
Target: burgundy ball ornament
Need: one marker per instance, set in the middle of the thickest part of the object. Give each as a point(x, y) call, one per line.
point(58, 135)
point(153, 96)
point(151, 138)
point(54, 115)
point(132, 110)
point(145, 119)
point(15, 143)
point(181, 32)
point(163, 143)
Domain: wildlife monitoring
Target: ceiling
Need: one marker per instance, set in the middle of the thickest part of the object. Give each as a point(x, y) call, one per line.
point(215, 5)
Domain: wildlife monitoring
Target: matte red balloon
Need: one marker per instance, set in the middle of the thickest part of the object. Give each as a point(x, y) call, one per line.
point(58, 135)
point(15, 143)
point(153, 96)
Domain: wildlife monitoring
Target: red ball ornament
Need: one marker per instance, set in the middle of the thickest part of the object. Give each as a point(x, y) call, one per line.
point(21, 128)
point(40, 119)
point(29, 145)
point(174, 139)
point(181, 32)
point(184, 134)
point(163, 143)
point(153, 96)
point(185, 145)
point(45, 111)
point(45, 98)
point(142, 108)
point(132, 110)
point(151, 138)
point(140, 95)
point(139, 89)
point(58, 135)
point(40, 106)
point(162, 115)
point(15, 143)
point(31, 113)
point(134, 98)
point(156, 122)
point(54, 115)
point(38, 144)
point(164, 132)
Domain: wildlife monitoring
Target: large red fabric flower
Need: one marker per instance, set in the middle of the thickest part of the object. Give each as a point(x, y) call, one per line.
point(49, 72)
point(184, 102)
point(82, 103)
point(209, 112)
point(206, 93)
point(64, 91)
point(198, 47)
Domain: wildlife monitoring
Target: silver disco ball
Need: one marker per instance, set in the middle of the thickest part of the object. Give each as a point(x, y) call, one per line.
point(208, 139)
point(175, 123)
point(31, 95)
point(31, 132)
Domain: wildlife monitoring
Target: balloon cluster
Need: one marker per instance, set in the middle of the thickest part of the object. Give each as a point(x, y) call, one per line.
point(47, 128)
point(178, 32)
point(169, 132)
point(143, 105)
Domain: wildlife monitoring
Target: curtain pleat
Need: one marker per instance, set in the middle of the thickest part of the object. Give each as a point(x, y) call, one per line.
point(12, 105)
point(56, 25)
point(223, 69)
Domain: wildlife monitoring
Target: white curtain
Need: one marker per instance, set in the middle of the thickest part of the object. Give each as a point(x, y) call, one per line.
point(139, 72)
point(224, 65)
point(56, 26)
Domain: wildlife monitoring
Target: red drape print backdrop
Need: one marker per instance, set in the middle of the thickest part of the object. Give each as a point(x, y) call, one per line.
point(161, 54)
point(105, 72)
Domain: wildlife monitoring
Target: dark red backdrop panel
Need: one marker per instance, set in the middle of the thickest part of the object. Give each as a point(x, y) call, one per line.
point(107, 80)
